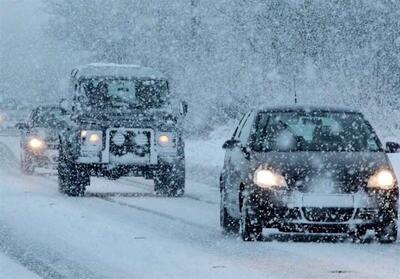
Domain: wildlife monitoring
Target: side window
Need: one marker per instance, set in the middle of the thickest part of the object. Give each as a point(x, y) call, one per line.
point(246, 129)
point(239, 126)
point(260, 132)
point(31, 118)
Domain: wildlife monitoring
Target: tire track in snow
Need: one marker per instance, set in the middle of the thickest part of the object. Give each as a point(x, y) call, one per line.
point(34, 256)
point(41, 260)
point(145, 186)
point(153, 212)
point(132, 183)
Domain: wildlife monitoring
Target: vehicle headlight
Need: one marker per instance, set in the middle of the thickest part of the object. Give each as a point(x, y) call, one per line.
point(91, 137)
point(269, 179)
point(383, 179)
point(166, 139)
point(36, 143)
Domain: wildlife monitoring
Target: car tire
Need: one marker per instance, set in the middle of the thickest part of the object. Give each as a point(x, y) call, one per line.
point(26, 164)
point(386, 232)
point(72, 180)
point(358, 235)
point(250, 226)
point(170, 181)
point(229, 224)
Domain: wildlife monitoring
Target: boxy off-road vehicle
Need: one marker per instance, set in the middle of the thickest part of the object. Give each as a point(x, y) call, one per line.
point(122, 124)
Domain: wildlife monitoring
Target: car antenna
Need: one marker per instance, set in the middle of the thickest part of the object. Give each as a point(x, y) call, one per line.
point(294, 89)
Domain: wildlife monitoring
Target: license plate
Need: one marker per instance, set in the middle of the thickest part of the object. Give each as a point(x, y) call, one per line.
point(328, 200)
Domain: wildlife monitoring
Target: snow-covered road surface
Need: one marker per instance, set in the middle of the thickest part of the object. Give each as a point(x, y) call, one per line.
point(121, 230)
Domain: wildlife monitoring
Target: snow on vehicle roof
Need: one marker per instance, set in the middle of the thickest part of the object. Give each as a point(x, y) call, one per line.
point(116, 70)
point(50, 106)
point(300, 108)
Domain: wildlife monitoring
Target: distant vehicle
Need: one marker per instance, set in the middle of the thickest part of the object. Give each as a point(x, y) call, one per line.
point(123, 125)
point(40, 138)
point(311, 170)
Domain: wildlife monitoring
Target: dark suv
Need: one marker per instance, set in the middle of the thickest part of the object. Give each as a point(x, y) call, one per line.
point(312, 170)
point(122, 124)
point(39, 137)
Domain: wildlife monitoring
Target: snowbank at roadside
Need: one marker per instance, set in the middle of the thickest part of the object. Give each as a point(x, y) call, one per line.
point(205, 157)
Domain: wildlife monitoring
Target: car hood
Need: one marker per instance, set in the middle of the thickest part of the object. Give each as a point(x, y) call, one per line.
point(50, 135)
point(331, 172)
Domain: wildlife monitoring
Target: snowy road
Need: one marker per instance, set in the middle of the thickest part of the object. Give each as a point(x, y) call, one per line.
point(121, 230)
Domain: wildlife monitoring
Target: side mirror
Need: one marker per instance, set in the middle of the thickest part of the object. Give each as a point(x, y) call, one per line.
point(21, 126)
point(392, 147)
point(231, 143)
point(247, 152)
point(183, 108)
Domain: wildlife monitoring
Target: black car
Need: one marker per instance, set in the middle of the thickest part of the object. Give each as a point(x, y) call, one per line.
point(40, 137)
point(311, 170)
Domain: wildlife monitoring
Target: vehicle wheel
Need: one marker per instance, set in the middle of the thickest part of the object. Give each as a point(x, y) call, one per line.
point(170, 181)
point(386, 232)
point(227, 222)
point(250, 227)
point(72, 180)
point(26, 164)
point(358, 235)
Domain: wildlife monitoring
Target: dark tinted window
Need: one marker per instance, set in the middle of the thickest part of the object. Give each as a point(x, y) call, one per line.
point(47, 117)
point(316, 131)
point(137, 93)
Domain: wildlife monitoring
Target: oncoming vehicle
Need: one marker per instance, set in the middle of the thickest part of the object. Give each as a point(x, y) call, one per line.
point(123, 125)
point(39, 138)
point(312, 170)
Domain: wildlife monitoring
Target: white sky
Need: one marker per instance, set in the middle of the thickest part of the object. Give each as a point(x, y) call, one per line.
point(32, 65)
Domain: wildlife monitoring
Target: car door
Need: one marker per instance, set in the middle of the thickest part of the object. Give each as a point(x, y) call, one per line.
point(227, 169)
point(228, 151)
point(237, 161)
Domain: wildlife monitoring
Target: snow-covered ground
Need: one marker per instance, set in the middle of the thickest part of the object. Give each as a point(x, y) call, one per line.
point(121, 230)
point(10, 269)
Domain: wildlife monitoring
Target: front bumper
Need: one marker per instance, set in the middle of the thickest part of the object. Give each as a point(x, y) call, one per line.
point(297, 211)
point(45, 158)
point(138, 148)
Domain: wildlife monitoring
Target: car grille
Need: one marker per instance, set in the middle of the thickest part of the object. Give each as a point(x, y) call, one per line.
point(135, 142)
point(331, 214)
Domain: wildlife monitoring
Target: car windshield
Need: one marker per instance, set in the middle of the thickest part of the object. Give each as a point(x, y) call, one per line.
point(120, 92)
point(47, 117)
point(316, 131)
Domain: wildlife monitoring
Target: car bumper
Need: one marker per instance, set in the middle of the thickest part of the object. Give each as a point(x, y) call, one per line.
point(297, 211)
point(131, 169)
point(48, 157)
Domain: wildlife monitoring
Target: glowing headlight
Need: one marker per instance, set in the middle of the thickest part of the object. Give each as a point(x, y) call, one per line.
point(91, 137)
point(163, 140)
point(384, 179)
point(166, 139)
point(268, 179)
point(36, 143)
point(94, 138)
